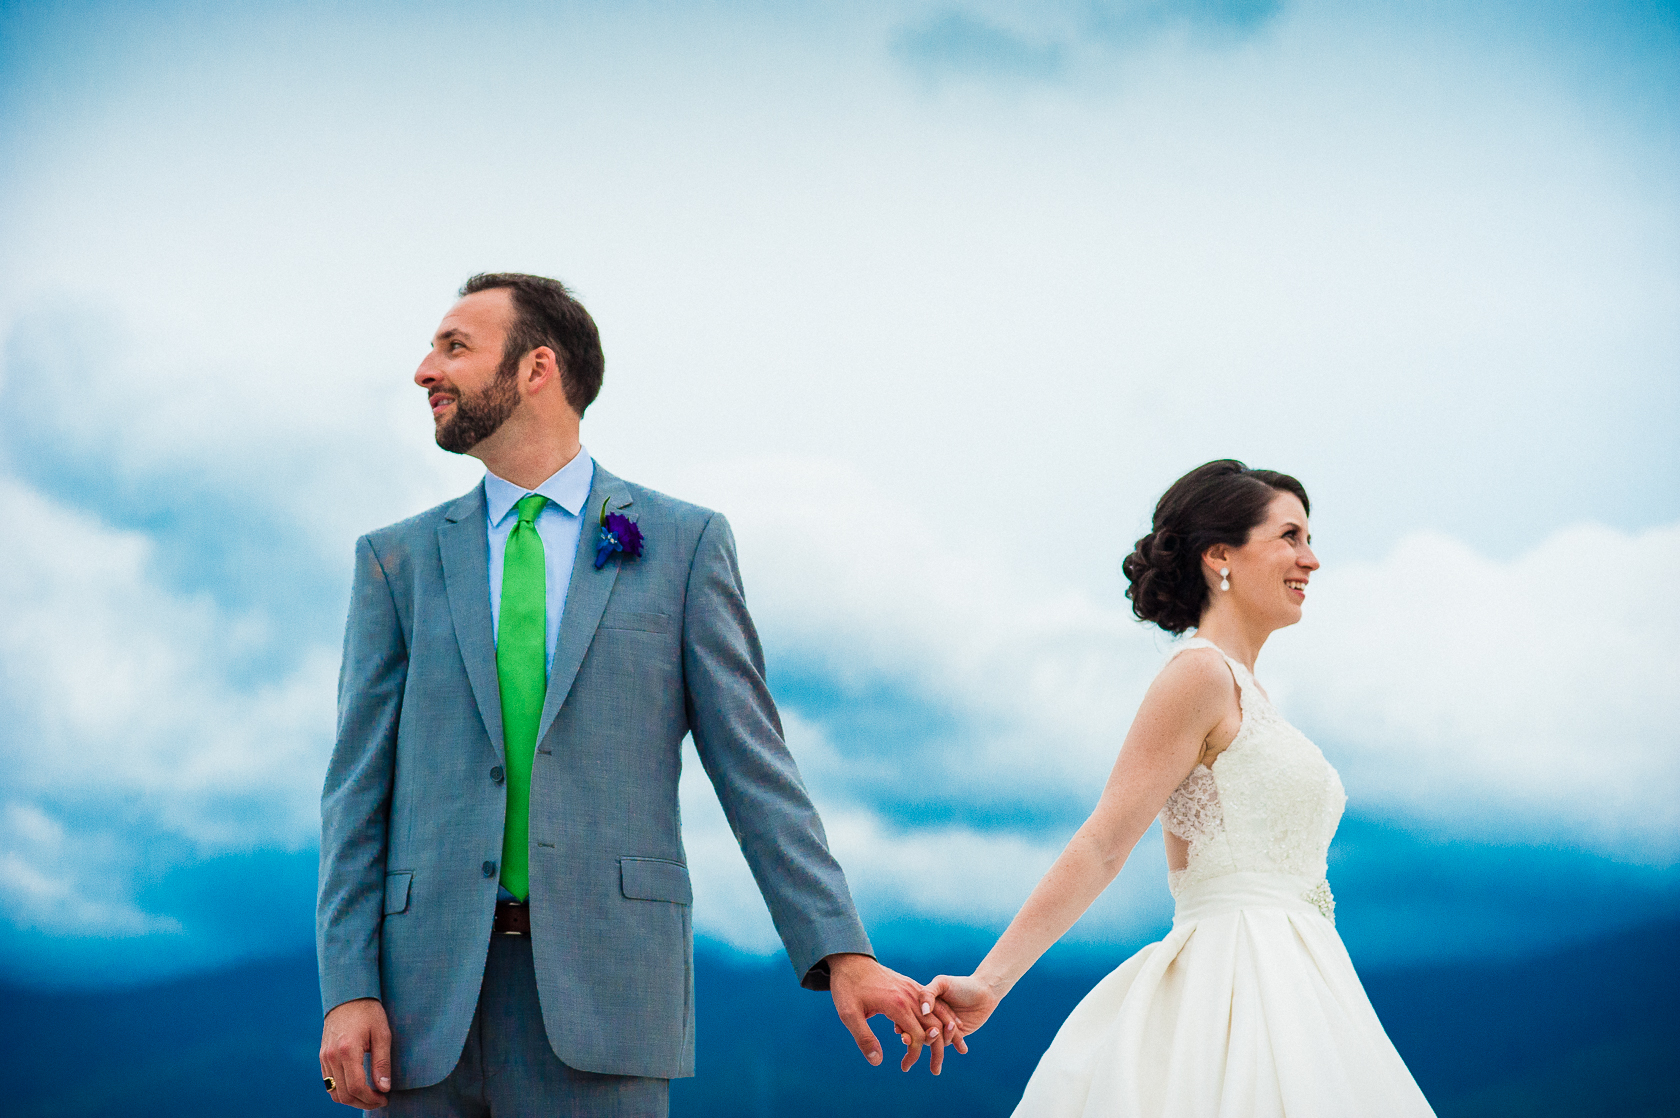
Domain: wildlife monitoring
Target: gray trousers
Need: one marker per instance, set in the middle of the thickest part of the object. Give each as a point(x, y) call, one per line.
point(507, 1068)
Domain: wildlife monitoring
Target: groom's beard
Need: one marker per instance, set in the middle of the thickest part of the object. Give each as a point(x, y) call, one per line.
point(477, 416)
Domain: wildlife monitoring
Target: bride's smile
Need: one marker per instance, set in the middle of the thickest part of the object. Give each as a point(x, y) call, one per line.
point(1264, 582)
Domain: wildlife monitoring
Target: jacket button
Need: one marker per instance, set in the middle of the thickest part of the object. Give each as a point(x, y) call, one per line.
point(489, 869)
point(496, 774)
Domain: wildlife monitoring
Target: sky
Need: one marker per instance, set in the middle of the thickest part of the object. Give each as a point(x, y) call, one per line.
point(932, 301)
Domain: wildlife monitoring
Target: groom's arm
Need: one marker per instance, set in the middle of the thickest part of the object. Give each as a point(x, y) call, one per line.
point(355, 808)
point(738, 735)
point(356, 797)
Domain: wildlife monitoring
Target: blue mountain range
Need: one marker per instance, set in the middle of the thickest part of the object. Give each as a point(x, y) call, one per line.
point(1589, 1030)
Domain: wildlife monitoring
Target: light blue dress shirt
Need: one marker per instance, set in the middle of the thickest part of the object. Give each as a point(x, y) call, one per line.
point(559, 524)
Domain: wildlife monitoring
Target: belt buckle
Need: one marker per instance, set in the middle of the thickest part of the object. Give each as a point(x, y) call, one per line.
point(505, 911)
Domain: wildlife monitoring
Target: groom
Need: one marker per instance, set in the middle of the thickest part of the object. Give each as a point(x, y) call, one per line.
point(503, 923)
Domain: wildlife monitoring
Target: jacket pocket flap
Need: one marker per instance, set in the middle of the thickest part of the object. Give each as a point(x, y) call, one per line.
point(396, 892)
point(636, 622)
point(653, 879)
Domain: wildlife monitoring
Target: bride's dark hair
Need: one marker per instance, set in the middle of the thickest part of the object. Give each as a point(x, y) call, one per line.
point(1217, 503)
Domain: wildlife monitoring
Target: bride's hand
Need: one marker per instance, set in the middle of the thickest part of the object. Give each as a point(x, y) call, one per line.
point(969, 998)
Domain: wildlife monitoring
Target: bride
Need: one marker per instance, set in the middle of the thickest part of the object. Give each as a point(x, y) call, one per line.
point(1250, 1005)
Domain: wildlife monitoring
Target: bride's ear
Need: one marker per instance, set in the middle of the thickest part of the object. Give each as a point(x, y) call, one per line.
point(1215, 557)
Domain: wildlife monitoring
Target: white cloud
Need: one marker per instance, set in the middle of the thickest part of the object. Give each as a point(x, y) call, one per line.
point(1528, 699)
point(1317, 251)
point(969, 335)
point(958, 875)
point(854, 579)
point(1538, 695)
point(1533, 696)
point(58, 882)
point(118, 691)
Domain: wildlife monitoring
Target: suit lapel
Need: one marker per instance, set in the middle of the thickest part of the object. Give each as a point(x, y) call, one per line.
point(586, 596)
point(464, 543)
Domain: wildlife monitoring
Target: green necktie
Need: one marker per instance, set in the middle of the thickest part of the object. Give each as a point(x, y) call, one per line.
point(521, 642)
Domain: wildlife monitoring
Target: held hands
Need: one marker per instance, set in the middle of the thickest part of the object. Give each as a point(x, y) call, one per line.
point(971, 999)
point(862, 988)
point(350, 1031)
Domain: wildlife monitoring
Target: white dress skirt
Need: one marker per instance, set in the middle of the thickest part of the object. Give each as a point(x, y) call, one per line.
point(1250, 1007)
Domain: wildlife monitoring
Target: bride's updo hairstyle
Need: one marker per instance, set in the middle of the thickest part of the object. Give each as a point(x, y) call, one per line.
point(1217, 503)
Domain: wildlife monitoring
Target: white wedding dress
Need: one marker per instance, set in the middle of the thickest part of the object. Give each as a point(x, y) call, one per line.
point(1250, 1006)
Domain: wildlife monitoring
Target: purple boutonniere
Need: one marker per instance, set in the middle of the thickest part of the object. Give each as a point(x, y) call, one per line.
point(618, 533)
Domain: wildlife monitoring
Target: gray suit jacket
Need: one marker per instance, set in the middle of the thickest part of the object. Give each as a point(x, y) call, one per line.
point(650, 649)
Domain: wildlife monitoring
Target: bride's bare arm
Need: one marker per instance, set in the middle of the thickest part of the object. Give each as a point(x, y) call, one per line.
point(1182, 707)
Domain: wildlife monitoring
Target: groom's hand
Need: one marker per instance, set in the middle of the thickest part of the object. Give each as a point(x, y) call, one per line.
point(350, 1032)
point(862, 987)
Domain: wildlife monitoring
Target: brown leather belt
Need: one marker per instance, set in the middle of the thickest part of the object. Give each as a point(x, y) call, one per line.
point(512, 919)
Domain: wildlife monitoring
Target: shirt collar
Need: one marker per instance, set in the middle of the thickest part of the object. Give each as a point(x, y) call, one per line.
point(567, 487)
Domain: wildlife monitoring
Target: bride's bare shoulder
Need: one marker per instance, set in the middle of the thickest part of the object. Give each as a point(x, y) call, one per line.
point(1195, 681)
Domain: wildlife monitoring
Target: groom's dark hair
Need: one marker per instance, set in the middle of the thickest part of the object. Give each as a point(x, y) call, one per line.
point(545, 314)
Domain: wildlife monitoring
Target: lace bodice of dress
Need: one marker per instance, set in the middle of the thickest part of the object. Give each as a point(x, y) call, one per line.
point(1270, 802)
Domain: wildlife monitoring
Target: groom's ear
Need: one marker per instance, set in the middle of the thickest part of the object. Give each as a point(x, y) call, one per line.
point(542, 370)
point(542, 382)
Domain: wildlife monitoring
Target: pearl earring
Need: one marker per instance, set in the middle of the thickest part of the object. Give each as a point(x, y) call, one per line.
point(1224, 578)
